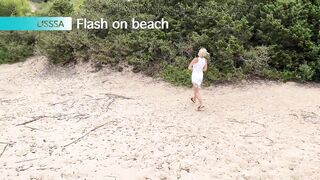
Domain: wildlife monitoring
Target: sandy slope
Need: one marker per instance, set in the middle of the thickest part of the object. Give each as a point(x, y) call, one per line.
point(69, 123)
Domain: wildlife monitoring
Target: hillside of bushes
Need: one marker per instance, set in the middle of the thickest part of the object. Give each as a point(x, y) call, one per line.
point(246, 39)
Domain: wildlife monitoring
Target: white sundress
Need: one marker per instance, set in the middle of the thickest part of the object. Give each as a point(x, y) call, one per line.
point(197, 72)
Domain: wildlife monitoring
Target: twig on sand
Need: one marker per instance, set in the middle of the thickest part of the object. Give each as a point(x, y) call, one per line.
point(62, 102)
point(33, 129)
point(28, 160)
point(22, 168)
point(295, 115)
point(34, 119)
point(10, 100)
point(263, 125)
point(5, 143)
point(117, 96)
point(112, 177)
point(251, 134)
point(81, 116)
point(86, 134)
point(167, 127)
point(4, 149)
point(110, 103)
point(235, 121)
point(50, 168)
point(310, 117)
point(271, 141)
point(89, 95)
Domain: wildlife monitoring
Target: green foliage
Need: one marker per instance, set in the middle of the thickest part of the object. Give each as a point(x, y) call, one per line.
point(14, 7)
point(306, 72)
point(63, 47)
point(277, 40)
point(60, 8)
point(77, 4)
point(15, 46)
point(267, 39)
point(256, 61)
point(292, 30)
point(177, 76)
point(56, 46)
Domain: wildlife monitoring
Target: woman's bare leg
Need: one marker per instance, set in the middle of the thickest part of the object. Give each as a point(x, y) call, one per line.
point(194, 93)
point(198, 95)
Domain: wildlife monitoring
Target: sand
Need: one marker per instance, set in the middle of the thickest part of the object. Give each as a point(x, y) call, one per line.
point(74, 123)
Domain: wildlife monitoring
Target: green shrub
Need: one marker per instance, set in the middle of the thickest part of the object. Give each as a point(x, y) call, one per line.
point(213, 75)
point(14, 7)
point(291, 28)
point(177, 76)
point(256, 60)
point(15, 46)
point(306, 72)
point(61, 8)
point(268, 39)
point(63, 47)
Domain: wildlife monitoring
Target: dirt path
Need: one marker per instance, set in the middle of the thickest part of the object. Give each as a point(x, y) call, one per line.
point(69, 123)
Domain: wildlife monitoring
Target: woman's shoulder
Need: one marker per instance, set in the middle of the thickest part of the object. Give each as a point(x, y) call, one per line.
point(195, 60)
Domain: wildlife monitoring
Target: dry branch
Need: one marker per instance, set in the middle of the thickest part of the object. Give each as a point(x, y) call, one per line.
point(263, 125)
point(5, 143)
point(88, 95)
point(81, 116)
point(34, 119)
point(8, 100)
point(251, 134)
point(22, 168)
point(271, 141)
point(86, 134)
point(167, 127)
point(27, 160)
point(51, 168)
point(4, 149)
point(235, 121)
point(62, 102)
point(110, 103)
point(112, 177)
point(33, 129)
point(117, 96)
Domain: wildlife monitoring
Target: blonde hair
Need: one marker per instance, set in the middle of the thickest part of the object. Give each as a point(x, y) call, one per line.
point(203, 53)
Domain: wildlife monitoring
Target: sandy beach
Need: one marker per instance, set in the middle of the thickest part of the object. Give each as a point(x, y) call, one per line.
point(74, 123)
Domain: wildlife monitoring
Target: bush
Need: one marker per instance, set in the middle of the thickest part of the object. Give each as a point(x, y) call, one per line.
point(176, 47)
point(62, 47)
point(177, 76)
point(15, 46)
point(306, 72)
point(256, 60)
point(14, 7)
point(56, 47)
point(264, 38)
point(291, 28)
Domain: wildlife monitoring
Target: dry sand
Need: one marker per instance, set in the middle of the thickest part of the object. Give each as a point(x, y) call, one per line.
point(70, 123)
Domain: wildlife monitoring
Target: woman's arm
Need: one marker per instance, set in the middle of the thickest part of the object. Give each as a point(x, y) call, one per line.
point(205, 68)
point(192, 63)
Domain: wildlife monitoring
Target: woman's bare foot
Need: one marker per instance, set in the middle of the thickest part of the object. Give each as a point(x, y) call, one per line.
point(200, 108)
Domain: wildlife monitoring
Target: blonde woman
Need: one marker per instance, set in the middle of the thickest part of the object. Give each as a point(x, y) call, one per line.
point(198, 66)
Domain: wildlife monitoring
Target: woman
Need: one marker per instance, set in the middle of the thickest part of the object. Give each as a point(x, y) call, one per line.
point(198, 65)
